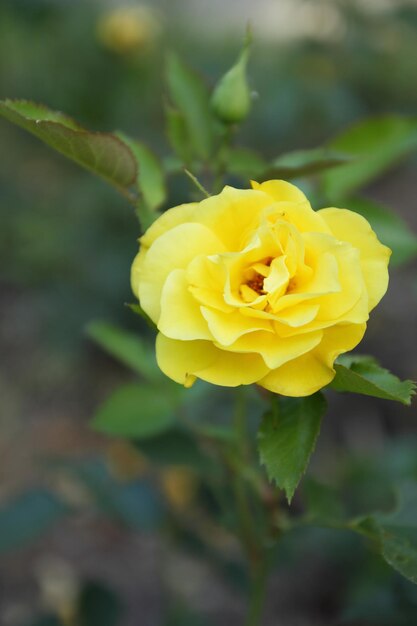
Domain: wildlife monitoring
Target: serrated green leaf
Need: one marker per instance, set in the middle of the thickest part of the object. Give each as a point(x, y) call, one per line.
point(376, 145)
point(135, 411)
point(126, 347)
point(191, 97)
point(101, 153)
point(391, 229)
point(364, 375)
point(306, 162)
point(25, 518)
point(151, 178)
point(287, 437)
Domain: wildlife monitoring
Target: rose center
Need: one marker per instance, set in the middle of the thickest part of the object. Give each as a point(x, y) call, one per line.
point(257, 284)
point(256, 275)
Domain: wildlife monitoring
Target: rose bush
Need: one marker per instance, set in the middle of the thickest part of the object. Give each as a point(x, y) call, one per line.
point(253, 286)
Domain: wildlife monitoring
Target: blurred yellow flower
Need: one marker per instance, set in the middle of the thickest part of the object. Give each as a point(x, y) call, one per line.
point(128, 28)
point(179, 484)
point(253, 286)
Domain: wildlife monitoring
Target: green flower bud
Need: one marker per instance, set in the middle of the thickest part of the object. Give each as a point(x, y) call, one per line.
point(231, 99)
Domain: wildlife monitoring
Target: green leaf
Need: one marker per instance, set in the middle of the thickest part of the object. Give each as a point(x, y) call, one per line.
point(101, 153)
point(376, 145)
point(361, 374)
point(306, 162)
point(391, 229)
point(98, 606)
point(126, 347)
point(151, 178)
point(401, 554)
point(397, 532)
point(177, 134)
point(27, 517)
point(287, 437)
point(245, 163)
point(191, 97)
point(135, 411)
point(323, 503)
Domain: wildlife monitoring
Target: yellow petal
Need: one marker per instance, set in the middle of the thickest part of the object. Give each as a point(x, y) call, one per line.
point(312, 371)
point(172, 250)
point(168, 220)
point(274, 350)
point(182, 360)
point(334, 305)
point(180, 313)
point(297, 209)
point(280, 190)
point(277, 280)
point(300, 377)
point(206, 277)
point(339, 339)
point(234, 215)
point(227, 327)
point(233, 369)
point(299, 315)
point(135, 271)
point(374, 257)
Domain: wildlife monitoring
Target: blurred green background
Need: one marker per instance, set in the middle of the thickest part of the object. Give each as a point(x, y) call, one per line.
point(66, 245)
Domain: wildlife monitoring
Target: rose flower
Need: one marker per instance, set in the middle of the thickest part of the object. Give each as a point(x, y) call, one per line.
point(253, 286)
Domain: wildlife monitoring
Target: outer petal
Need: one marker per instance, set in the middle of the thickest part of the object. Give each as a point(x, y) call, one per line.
point(310, 372)
point(296, 207)
point(352, 227)
point(274, 350)
point(172, 250)
point(180, 312)
point(280, 190)
point(300, 377)
point(168, 220)
point(234, 215)
point(184, 360)
point(180, 359)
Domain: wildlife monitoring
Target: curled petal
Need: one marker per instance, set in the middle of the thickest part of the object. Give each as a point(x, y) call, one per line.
point(374, 256)
point(183, 361)
point(312, 371)
point(181, 316)
point(172, 250)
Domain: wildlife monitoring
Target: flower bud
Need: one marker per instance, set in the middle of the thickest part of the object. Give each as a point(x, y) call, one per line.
point(231, 99)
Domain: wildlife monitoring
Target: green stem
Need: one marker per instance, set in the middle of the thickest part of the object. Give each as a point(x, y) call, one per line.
point(259, 576)
point(221, 158)
point(254, 551)
point(197, 183)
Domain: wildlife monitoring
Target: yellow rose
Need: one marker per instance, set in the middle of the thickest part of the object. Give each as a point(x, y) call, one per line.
point(253, 286)
point(127, 28)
